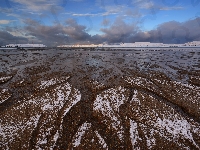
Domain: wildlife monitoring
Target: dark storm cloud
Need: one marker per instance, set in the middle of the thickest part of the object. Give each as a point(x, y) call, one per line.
point(164, 33)
point(57, 34)
point(7, 38)
point(194, 28)
point(120, 31)
point(76, 31)
point(173, 32)
point(49, 35)
point(168, 32)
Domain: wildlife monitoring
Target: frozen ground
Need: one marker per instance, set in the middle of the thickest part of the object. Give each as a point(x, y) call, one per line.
point(115, 99)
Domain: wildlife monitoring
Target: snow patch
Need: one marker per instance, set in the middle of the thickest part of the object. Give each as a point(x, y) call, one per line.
point(101, 140)
point(108, 103)
point(10, 131)
point(77, 97)
point(4, 95)
point(53, 81)
point(177, 128)
point(62, 93)
point(134, 98)
point(80, 133)
point(137, 80)
point(4, 79)
point(134, 135)
point(97, 85)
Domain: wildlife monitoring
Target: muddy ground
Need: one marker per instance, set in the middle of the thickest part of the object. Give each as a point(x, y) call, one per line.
point(100, 99)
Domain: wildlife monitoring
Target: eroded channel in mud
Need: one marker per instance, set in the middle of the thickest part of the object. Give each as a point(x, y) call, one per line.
point(117, 99)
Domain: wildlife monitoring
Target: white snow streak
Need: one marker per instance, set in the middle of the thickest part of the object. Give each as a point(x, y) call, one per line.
point(3, 79)
point(108, 104)
point(133, 133)
point(101, 140)
point(80, 133)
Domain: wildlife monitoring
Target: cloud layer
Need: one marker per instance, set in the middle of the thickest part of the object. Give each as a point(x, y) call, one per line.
point(6, 37)
point(119, 31)
point(38, 5)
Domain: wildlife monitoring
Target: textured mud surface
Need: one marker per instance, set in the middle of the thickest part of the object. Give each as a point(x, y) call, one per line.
point(117, 99)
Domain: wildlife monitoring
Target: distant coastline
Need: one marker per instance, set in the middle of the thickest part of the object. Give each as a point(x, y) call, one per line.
point(11, 46)
point(136, 45)
point(194, 44)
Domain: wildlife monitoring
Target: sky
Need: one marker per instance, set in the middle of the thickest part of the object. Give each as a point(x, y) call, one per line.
point(58, 22)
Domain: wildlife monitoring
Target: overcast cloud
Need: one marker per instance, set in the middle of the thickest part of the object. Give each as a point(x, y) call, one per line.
point(119, 31)
point(6, 38)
